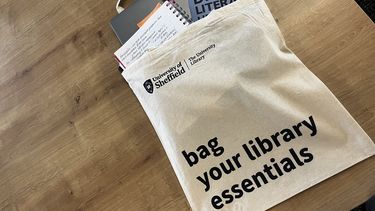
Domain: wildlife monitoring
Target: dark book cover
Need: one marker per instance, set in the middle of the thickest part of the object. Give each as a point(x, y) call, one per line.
point(125, 24)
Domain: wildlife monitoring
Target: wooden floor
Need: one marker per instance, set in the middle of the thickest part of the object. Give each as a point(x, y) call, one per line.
point(73, 135)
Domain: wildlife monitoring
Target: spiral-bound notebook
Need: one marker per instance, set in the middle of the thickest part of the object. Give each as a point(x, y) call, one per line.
point(195, 10)
point(160, 27)
point(183, 7)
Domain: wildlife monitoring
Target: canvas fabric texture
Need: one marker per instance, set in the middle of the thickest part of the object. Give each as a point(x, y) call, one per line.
point(244, 123)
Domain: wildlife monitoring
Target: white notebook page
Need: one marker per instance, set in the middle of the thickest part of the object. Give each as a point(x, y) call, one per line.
point(161, 26)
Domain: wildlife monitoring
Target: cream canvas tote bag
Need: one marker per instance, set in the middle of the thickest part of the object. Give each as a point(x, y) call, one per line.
point(244, 123)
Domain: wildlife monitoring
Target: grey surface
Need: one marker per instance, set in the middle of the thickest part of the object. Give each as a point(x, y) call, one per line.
point(125, 24)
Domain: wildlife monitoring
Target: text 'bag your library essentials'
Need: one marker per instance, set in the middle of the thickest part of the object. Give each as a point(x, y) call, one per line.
point(244, 123)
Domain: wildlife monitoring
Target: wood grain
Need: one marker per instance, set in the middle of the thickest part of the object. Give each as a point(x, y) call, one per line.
point(73, 135)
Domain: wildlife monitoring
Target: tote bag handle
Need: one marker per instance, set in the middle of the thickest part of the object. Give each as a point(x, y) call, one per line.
point(118, 7)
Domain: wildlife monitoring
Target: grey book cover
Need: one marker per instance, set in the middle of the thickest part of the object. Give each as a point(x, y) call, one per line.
point(125, 24)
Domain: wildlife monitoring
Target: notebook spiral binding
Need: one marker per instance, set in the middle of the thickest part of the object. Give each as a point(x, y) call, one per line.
point(180, 12)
